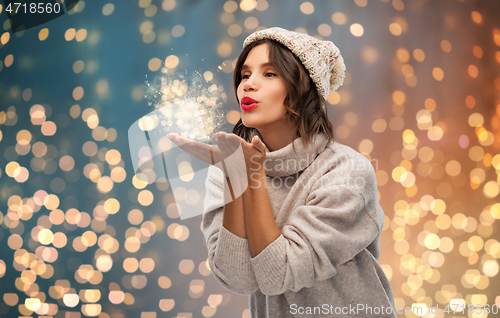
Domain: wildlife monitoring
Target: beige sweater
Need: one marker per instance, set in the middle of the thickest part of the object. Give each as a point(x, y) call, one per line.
point(325, 262)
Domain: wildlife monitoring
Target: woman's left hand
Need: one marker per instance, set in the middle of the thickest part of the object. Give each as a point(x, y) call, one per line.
point(254, 151)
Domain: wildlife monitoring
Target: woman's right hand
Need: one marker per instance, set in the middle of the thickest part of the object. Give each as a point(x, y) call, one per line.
point(208, 153)
point(225, 155)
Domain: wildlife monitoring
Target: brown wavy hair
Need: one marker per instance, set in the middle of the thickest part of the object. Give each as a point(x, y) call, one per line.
point(303, 102)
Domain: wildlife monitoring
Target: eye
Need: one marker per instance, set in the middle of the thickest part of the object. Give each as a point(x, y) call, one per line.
point(271, 74)
point(246, 76)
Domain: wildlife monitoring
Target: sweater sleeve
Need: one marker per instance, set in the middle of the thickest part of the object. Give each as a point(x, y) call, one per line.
point(228, 254)
point(333, 226)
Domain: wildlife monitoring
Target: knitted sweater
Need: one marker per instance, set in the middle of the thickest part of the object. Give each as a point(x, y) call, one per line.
point(325, 262)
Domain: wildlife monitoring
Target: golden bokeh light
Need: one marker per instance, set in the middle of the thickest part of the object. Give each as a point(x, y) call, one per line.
point(167, 304)
point(43, 34)
point(307, 8)
point(339, 18)
point(171, 61)
point(178, 31)
point(357, 29)
point(251, 23)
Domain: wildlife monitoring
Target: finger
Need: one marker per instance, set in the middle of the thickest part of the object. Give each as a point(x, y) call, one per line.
point(179, 144)
point(207, 153)
point(227, 146)
point(230, 150)
point(178, 140)
point(236, 163)
point(258, 144)
point(197, 149)
point(219, 138)
point(218, 156)
point(235, 137)
point(172, 137)
point(201, 153)
point(183, 139)
point(233, 141)
point(236, 145)
point(226, 152)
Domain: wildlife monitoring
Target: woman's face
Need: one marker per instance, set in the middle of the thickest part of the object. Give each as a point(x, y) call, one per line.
point(261, 92)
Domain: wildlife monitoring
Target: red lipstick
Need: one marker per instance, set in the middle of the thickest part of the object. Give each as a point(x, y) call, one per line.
point(248, 103)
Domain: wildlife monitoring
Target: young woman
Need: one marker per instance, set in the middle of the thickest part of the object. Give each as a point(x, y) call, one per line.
point(303, 238)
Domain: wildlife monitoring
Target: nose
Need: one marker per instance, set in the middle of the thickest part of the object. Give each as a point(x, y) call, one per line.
point(249, 84)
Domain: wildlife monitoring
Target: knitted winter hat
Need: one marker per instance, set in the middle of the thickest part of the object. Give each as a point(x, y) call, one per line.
point(321, 58)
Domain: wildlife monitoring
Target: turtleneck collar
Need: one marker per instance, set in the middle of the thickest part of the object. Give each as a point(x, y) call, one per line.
point(285, 161)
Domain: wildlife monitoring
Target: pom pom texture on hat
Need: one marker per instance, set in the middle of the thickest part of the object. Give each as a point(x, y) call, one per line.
point(321, 58)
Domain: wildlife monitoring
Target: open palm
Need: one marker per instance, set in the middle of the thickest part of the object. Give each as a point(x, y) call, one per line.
point(226, 155)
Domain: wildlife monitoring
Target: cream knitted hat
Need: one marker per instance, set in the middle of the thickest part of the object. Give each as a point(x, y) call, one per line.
point(321, 58)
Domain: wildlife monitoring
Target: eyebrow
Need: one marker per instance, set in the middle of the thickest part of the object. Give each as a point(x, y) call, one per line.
point(245, 66)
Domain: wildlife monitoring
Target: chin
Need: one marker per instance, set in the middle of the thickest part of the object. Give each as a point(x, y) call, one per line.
point(250, 121)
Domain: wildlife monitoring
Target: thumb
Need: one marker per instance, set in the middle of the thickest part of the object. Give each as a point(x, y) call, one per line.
point(258, 144)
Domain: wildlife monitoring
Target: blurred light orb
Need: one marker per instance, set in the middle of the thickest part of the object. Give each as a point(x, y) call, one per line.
point(339, 18)
point(248, 5)
point(357, 29)
point(307, 8)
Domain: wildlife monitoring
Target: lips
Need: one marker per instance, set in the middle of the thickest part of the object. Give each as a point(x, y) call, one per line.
point(248, 103)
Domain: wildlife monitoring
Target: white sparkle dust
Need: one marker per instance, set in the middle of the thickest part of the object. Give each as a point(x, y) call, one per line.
point(193, 120)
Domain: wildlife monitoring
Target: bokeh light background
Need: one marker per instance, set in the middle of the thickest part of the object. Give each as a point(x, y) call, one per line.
point(82, 236)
